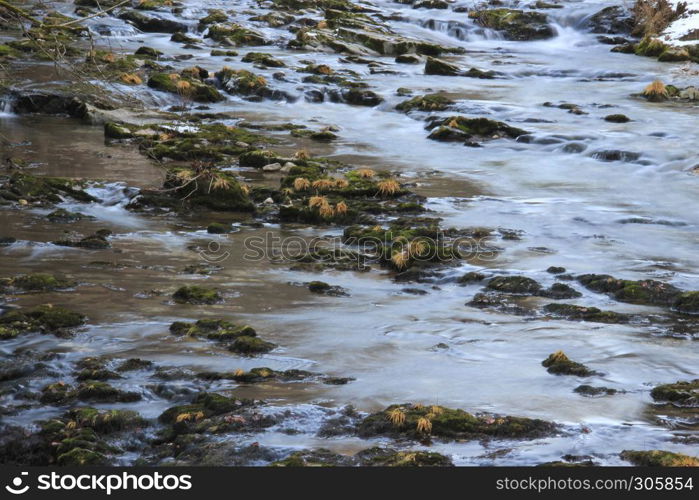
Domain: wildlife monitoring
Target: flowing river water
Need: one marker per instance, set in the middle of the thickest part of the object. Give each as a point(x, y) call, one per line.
point(569, 208)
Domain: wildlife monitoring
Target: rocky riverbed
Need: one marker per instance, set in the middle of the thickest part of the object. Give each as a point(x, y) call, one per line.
point(382, 233)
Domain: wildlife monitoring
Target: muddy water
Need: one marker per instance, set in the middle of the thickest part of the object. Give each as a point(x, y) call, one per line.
point(569, 207)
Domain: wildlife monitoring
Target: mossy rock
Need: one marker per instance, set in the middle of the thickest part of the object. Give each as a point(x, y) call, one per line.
point(588, 390)
point(680, 393)
point(96, 374)
point(204, 405)
point(106, 421)
point(91, 390)
point(469, 130)
point(428, 102)
point(258, 158)
point(434, 66)
point(218, 228)
point(581, 313)
point(45, 189)
point(250, 345)
point(650, 47)
point(420, 422)
point(382, 457)
point(645, 292)
point(187, 88)
point(263, 59)
point(519, 285)
point(35, 282)
point(560, 291)
point(79, 457)
point(241, 81)
point(515, 24)
point(659, 458)
point(559, 364)
point(214, 16)
point(213, 329)
point(97, 241)
point(102, 392)
point(62, 215)
point(214, 142)
point(132, 364)
point(687, 303)
point(45, 319)
point(235, 34)
point(617, 118)
point(196, 295)
point(214, 190)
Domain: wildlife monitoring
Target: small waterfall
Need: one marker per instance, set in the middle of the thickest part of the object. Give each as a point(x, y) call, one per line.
point(6, 107)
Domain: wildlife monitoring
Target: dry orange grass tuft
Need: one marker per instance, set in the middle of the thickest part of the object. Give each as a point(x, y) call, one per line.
point(365, 173)
point(655, 91)
point(341, 183)
point(326, 211)
point(302, 154)
point(301, 184)
point(400, 260)
point(323, 184)
point(388, 187)
point(424, 426)
point(396, 416)
point(131, 79)
point(341, 208)
point(317, 201)
point(184, 88)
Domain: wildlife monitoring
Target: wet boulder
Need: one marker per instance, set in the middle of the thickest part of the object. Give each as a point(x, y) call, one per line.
point(613, 20)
